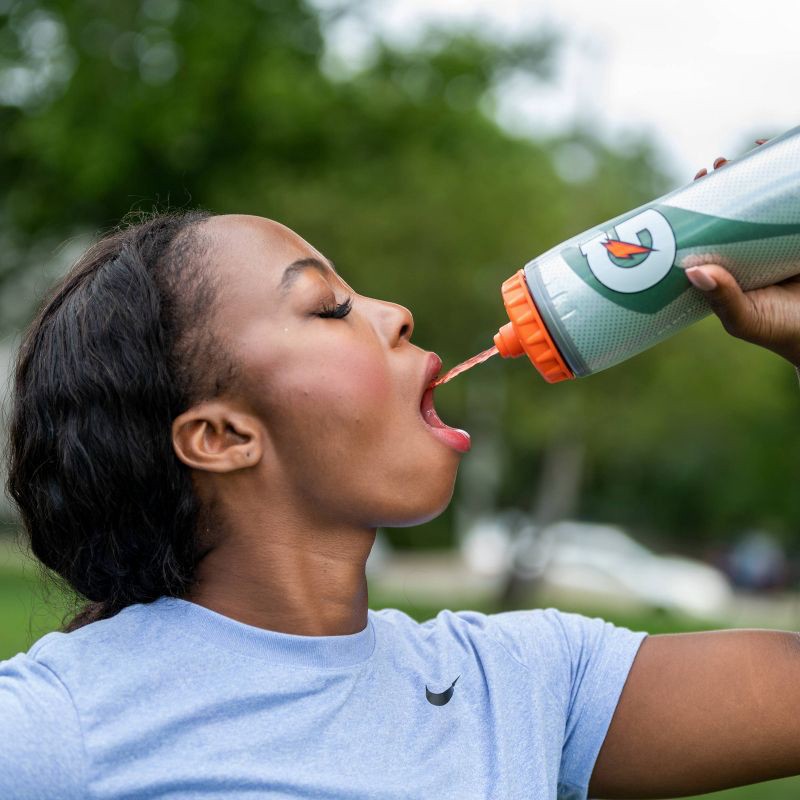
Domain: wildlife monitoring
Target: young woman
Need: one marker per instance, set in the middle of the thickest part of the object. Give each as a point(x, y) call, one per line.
point(208, 426)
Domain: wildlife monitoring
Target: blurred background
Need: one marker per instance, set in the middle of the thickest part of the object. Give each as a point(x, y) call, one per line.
point(431, 150)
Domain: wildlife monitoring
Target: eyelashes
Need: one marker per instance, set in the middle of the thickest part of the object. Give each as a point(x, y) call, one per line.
point(337, 311)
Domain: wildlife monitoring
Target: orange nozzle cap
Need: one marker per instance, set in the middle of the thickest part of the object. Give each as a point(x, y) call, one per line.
point(507, 342)
point(527, 333)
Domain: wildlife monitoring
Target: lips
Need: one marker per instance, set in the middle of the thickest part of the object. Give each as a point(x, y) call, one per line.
point(453, 437)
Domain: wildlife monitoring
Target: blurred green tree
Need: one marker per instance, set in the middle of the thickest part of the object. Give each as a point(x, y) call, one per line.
point(400, 174)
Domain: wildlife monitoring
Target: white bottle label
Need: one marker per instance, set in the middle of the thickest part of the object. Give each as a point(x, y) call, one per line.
point(648, 263)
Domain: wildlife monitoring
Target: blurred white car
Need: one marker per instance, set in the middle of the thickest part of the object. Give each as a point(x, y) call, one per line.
point(601, 561)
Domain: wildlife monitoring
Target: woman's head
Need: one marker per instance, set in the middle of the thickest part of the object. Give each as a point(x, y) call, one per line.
point(190, 361)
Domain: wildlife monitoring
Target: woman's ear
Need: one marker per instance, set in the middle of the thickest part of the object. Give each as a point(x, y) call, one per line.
point(212, 436)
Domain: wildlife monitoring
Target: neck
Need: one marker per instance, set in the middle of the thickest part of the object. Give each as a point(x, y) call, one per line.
point(286, 573)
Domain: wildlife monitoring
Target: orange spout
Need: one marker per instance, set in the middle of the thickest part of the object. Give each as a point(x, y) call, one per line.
point(527, 333)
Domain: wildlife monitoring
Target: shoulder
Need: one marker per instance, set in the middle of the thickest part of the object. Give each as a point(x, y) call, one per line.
point(74, 656)
point(559, 647)
point(48, 694)
point(76, 671)
point(565, 636)
point(525, 634)
point(59, 662)
point(43, 750)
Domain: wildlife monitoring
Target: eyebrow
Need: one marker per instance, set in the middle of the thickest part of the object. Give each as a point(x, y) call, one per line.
point(293, 271)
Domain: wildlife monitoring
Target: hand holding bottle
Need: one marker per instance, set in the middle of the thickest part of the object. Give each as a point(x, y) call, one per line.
point(624, 285)
point(768, 317)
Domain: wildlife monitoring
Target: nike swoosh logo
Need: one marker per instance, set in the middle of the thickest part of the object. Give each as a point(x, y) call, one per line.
point(440, 698)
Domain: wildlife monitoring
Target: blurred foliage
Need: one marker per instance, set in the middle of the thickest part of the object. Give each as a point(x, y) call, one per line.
point(397, 172)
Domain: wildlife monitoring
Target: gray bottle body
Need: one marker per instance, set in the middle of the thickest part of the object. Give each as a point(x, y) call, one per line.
point(620, 288)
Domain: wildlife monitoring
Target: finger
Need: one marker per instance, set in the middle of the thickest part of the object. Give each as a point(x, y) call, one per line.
point(700, 174)
point(727, 300)
point(761, 141)
point(720, 161)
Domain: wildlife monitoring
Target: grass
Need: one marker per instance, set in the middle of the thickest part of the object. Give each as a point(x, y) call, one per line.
point(28, 611)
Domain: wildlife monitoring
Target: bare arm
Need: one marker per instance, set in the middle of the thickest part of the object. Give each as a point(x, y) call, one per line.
point(702, 712)
point(707, 711)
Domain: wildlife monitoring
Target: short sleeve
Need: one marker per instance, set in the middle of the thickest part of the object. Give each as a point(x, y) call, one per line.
point(42, 754)
point(584, 664)
point(601, 656)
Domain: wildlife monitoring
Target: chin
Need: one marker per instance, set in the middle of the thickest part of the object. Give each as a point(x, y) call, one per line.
point(423, 506)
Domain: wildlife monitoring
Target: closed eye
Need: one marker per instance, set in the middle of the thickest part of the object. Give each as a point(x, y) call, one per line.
point(336, 311)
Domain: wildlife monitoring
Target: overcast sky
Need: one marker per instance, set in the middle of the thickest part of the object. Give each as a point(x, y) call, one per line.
point(701, 76)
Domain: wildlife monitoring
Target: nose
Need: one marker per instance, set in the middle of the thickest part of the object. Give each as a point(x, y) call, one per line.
point(396, 322)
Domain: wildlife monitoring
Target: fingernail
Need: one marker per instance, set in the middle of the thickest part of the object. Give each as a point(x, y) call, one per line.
point(702, 280)
point(719, 162)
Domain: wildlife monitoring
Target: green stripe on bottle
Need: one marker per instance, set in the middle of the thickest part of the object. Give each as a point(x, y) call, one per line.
point(692, 230)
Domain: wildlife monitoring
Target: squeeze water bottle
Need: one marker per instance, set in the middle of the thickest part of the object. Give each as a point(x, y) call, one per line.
point(619, 288)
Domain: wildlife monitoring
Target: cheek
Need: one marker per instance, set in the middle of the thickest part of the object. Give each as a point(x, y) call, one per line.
point(345, 433)
point(348, 392)
point(361, 381)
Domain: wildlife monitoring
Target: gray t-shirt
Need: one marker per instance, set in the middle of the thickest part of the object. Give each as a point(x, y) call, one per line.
point(172, 700)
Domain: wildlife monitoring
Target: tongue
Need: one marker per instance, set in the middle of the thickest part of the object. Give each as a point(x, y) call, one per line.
point(454, 437)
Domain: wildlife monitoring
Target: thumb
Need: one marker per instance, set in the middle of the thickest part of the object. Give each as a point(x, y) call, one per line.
point(736, 311)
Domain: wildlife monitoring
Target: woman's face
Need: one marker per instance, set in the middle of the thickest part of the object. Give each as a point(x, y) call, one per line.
point(337, 398)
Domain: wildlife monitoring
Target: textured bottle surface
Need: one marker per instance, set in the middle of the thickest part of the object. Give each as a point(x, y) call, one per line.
point(620, 288)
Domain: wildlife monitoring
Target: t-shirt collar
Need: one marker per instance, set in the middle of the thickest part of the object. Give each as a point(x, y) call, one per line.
point(270, 646)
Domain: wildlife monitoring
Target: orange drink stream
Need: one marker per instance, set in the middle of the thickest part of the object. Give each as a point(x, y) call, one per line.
point(464, 366)
point(524, 334)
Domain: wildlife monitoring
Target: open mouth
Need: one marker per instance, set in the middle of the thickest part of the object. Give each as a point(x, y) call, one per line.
point(453, 437)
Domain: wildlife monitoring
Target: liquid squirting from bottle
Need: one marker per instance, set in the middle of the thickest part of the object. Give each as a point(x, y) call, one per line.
point(464, 366)
point(619, 288)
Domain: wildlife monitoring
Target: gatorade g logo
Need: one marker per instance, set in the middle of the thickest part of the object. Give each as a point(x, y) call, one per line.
point(631, 261)
point(640, 256)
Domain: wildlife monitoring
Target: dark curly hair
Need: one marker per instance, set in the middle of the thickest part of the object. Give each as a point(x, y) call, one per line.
point(121, 345)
